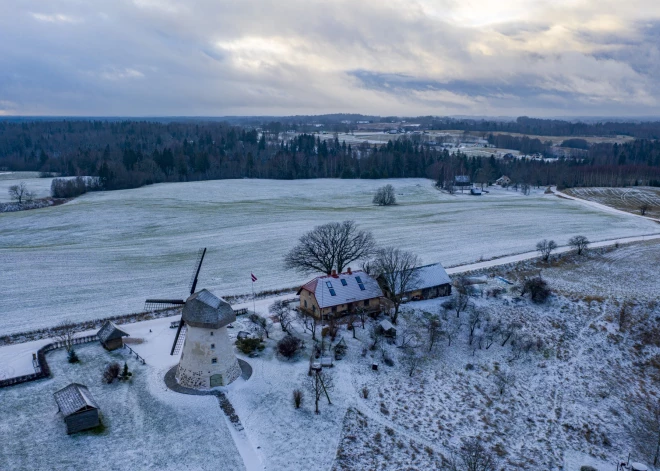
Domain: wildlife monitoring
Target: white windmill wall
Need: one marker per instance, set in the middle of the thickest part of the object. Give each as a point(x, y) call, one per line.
point(196, 366)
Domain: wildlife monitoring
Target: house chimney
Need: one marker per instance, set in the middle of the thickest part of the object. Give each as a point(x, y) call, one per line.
point(348, 270)
point(334, 273)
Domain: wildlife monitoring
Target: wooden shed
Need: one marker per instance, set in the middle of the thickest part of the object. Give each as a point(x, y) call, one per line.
point(386, 329)
point(78, 407)
point(111, 336)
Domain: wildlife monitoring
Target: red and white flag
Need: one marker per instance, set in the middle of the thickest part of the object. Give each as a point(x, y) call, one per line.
point(254, 278)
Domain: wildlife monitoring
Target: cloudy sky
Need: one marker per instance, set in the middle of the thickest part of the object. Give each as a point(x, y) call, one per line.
point(405, 57)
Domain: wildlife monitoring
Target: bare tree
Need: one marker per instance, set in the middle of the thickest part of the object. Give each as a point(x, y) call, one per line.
point(452, 327)
point(385, 196)
point(490, 332)
point(579, 243)
point(433, 327)
point(412, 359)
point(351, 320)
point(308, 321)
point(508, 330)
point(330, 246)
point(474, 457)
point(362, 314)
point(473, 322)
point(398, 270)
point(503, 380)
point(20, 193)
point(525, 188)
point(66, 331)
point(545, 248)
point(643, 208)
point(408, 337)
point(624, 315)
point(282, 312)
point(261, 325)
point(319, 383)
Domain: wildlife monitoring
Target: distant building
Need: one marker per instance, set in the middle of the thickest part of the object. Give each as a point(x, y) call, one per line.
point(475, 191)
point(503, 181)
point(462, 182)
point(111, 336)
point(78, 407)
point(337, 294)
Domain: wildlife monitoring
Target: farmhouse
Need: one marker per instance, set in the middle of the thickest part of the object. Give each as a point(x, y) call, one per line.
point(503, 181)
point(462, 181)
point(337, 294)
point(111, 336)
point(78, 407)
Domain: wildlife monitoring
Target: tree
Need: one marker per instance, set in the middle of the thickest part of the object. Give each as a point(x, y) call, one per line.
point(385, 196)
point(66, 330)
point(111, 372)
point(261, 324)
point(72, 356)
point(20, 193)
point(647, 428)
point(412, 359)
point(297, 398)
point(525, 188)
point(473, 322)
point(330, 246)
point(308, 321)
point(503, 380)
point(433, 327)
point(282, 312)
point(579, 243)
point(538, 289)
point(125, 374)
point(288, 346)
point(351, 320)
point(474, 457)
point(398, 270)
point(643, 208)
point(545, 248)
point(452, 327)
point(319, 383)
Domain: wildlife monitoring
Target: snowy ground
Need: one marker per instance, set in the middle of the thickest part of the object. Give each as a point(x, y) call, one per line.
point(146, 425)
point(568, 406)
point(104, 253)
point(624, 199)
point(40, 186)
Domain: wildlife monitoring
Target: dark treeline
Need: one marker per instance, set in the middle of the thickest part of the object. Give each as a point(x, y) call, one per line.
point(129, 154)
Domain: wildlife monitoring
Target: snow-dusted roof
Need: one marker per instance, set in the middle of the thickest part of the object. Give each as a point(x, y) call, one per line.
point(429, 276)
point(346, 288)
point(462, 179)
point(204, 309)
point(110, 331)
point(74, 398)
point(386, 325)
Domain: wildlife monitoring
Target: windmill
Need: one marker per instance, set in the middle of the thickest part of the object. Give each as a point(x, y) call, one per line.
point(207, 354)
point(156, 304)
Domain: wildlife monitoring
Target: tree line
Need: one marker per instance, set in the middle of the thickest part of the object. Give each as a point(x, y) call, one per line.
point(129, 154)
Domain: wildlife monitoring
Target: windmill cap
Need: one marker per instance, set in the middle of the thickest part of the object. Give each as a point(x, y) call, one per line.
point(206, 310)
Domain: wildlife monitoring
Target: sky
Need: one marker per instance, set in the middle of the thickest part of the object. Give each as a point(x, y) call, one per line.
point(386, 57)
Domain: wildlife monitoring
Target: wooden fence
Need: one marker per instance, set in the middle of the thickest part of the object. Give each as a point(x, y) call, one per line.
point(134, 353)
point(43, 370)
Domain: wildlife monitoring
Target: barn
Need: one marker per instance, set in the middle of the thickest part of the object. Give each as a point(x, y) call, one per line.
point(78, 407)
point(111, 336)
point(430, 281)
point(338, 294)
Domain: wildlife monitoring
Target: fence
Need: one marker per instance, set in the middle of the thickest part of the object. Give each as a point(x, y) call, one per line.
point(134, 353)
point(241, 312)
point(42, 364)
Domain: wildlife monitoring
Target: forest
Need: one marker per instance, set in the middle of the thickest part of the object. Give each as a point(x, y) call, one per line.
point(131, 153)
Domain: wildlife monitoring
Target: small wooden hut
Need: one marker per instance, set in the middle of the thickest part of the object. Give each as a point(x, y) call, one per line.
point(78, 407)
point(111, 336)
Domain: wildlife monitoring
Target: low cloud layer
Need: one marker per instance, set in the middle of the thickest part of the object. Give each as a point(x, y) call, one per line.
point(164, 57)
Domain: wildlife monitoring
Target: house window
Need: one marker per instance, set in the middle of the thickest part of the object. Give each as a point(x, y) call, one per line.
point(313, 308)
point(214, 360)
point(305, 303)
point(212, 346)
point(343, 282)
point(211, 332)
point(330, 288)
point(366, 302)
point(334, 308)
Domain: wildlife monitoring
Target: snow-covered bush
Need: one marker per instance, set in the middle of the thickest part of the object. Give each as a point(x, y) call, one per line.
point(249, 345)
point(111, 372)
point(288, 346)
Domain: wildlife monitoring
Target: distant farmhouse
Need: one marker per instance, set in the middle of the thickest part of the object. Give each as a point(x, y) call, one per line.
point(78, 407)
point(111, 336)
point(503, 181)
point(337, 294)
point(430, 281)
point(462, 182)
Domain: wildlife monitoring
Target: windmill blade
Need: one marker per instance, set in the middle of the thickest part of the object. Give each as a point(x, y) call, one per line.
point(176, 337)
point(159, 304)
point(198, 266)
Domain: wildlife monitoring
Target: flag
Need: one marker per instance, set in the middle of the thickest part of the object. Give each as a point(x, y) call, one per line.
point(254, 278)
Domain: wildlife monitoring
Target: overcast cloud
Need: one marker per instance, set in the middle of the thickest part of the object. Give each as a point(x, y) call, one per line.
point(248, 57)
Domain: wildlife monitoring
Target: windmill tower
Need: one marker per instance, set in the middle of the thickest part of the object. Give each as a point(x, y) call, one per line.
point(207, 356)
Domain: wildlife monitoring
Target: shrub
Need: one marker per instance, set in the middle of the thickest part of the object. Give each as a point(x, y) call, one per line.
point(364, 392)
point(125, 374)
point(385, 196)
point(297, 398)
point(111, 372)
point(72, 356)
point(288, 346)
point(538, 289)
point(249, 345)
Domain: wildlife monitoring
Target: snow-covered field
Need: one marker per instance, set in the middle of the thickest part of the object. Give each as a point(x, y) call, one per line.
point(147, 426)
point(40, 186)
point(104, 253)
point(625, 199)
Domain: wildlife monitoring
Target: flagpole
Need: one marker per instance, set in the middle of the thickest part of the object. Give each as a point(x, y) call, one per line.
point(254, 304)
